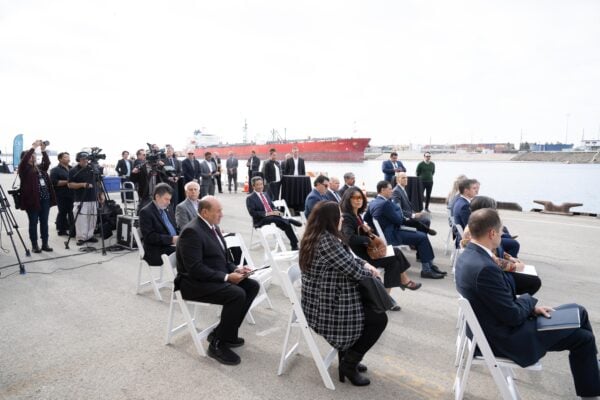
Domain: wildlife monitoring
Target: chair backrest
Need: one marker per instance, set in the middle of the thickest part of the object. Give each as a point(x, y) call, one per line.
point(379, 230)
point(459, 230)
point(270, 237)
point(238, 241)
point(282, 203)
point(302, 217)
point(290, 278)
point(471, 321)
point(138, 242)
point(170, 264)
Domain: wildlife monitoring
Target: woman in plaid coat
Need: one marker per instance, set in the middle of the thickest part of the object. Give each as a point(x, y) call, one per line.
point(330, 297)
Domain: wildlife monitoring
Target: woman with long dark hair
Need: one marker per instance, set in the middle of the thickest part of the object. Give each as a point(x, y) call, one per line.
point(330, 297)
point(356, 235)
point(37, 194)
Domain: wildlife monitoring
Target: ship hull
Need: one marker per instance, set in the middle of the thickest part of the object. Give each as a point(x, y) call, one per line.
point(352, 149)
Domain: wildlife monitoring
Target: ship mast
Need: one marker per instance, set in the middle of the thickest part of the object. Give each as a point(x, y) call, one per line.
point(245, 129)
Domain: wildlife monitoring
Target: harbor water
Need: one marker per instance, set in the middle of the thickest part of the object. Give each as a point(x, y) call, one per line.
point(509, 181)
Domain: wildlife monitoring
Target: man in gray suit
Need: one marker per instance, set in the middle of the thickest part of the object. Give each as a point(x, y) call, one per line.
point(420, 220)
point(187, 210)
point(232, 166)
point(207, 172)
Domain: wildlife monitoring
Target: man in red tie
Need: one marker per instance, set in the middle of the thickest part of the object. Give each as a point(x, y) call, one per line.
point(263, 212)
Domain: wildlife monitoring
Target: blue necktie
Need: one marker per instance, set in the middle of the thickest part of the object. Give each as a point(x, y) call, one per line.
point(167, 222)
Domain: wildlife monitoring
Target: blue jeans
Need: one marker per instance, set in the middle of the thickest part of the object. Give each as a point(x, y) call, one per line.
point(40, 215)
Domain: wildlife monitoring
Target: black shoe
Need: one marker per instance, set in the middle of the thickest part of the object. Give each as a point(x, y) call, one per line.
point(45, 247)
point(35, 248)
point(410, 285)
point(432, 232)
point(80, 242)
point(431, 275)
point(348, 368)
point(62, 233)
point(396, 307)
point(427, 209)
point(360, 367)
point(295, 222)
point(234, 343)
point(92, 240)
point(435, 268)
point(294, 247)
point(222, 353)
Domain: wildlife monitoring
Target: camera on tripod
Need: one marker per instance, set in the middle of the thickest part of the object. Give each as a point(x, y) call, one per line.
point(93, 156)
point(153, 156)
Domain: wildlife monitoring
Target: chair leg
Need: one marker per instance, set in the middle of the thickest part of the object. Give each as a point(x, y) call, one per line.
point(139, 279)
point(170, 320)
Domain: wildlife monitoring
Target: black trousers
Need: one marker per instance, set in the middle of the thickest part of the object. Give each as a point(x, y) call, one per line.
point(418, 225)
point(393, 267)
point(282, 224)
point(218, 182)
point(427, 186)
point(374, 326)
point(232, 179)
point(526, 283)
point(64, 218)
point(236, 300)
point(583, 360)
point(274, 189)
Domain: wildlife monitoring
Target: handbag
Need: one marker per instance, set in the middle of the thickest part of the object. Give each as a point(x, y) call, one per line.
point(376, 248)
point(16, 194)
point(374, 295)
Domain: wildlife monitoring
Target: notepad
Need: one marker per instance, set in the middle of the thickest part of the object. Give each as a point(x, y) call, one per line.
point(389, 251)
point(564, 318)
point(528, 270)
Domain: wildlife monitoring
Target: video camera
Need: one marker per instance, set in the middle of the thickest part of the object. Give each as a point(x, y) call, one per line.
point(153, 156)
point(92, 156)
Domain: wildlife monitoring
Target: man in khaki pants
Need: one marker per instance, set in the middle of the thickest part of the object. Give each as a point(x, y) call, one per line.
point(81, 181)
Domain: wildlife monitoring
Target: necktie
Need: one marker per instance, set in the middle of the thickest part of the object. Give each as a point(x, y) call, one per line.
point(265, 203)
point(217, 236)
point(167, 222)
point(337, 196)
point(171, 162)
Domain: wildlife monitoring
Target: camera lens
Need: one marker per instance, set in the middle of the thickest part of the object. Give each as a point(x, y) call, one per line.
point(46, 143)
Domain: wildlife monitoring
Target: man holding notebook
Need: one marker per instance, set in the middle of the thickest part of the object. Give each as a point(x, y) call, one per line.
point(510, 322)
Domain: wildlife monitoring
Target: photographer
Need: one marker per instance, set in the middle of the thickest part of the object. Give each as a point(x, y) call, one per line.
point(81, 180)
point(37, 193)
point(64, 196)
point(148, 174)
point(173, 169)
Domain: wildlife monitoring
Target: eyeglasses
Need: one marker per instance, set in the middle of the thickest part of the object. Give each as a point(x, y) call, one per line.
point(359, 197)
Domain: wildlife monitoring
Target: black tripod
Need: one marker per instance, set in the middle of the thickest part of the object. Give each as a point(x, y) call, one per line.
point(98, 183)
point(8, 222)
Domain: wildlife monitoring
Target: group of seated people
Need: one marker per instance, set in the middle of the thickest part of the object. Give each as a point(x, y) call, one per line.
point(333, 259)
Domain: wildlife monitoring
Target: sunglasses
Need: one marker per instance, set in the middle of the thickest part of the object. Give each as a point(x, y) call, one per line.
point(356, 197)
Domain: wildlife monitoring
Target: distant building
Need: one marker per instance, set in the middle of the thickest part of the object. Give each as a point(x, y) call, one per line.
point(590, 145)
point(550, 147)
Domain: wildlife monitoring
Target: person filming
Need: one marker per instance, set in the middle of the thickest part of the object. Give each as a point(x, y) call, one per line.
point(82, 181)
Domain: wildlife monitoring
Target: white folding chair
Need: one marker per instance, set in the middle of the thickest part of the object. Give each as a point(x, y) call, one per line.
point(287, 214)
point(449, 237)
point(156, 283)
point(302, 217)
point(189, 322)
point(501, 369)
point(275, 253)
point(263, 277)
point(457, 249)
point(298, 320)
point(402, 247)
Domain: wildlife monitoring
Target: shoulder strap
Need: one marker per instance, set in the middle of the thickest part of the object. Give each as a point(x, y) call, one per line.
point(13, 184)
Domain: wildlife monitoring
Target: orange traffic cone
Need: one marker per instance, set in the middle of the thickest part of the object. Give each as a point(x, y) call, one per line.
point(246, 186)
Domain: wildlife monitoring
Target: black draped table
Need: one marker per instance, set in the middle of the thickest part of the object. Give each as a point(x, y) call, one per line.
point(294, 190)
point(414, 190)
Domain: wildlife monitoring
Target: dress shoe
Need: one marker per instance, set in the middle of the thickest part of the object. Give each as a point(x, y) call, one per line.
point(348, 369)
point(234, 343)
point(92, 240)
point(431, 275)
point(410, 286)
point(35, 248)
point(295, 222)
point(222, 353)
point(435, 268)
point(396, 307)
point(432, 232)
point(62, 233)
point(45, 247)
point(80, 242)
point(294, 247)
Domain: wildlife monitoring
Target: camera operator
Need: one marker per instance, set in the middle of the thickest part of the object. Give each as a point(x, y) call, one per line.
point(81, 180)
point(37, 193)
point(64, 196)
point(175, 172)
point(148, 174)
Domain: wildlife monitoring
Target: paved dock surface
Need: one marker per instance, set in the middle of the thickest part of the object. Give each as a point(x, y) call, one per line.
point(73, 327)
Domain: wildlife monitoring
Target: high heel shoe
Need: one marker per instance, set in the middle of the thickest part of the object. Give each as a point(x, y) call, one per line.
point(347, 369)
point(410, 285)
point(360, 367)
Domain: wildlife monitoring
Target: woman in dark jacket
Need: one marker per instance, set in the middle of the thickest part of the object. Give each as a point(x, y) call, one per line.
point(356, 234)
point(330, 297)
point(37, 194)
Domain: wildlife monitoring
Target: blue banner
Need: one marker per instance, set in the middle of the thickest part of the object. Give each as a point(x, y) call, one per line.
point(17, 149)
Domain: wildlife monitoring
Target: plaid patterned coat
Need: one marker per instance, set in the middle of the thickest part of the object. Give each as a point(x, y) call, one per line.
point(330, 297)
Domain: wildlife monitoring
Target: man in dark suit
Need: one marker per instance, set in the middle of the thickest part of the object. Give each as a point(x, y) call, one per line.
point(206, 273)
point(263, 212)
point(191, 168)
point(349, 181)
point(321, 184)
point(174, 167)
point(159, 232)
point(507, 320)
point(123, 169)
point(140, 158)
point(332, 192)
point(420, 220)
point(217, 161)
point(232, 166)
point(253, 164)
point(389, 215)
point(207, 173)
point(272, 173)
point(390, 167)
point(461, 210)
point(295, 164)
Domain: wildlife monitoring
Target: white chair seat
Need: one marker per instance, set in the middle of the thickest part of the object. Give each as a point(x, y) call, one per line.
point(157, 283)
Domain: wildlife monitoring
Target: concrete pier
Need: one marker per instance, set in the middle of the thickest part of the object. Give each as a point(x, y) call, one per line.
point(73, 327)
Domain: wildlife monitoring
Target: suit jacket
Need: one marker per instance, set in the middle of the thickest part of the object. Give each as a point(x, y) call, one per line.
point(202, 262)
point(253, 163)
point(461, 211)
point(255, 207)
point(232, 164)
point(330, 297)
point(343, 190)
point(189, 173)
point(269, 171)
point(390, 218)
point(504, 317)
point(185, 212)
point(121, 168)
point(311, 200)
point(156, 236)
point(400, 197)
point(205, 173)
point(176, 165)
point(387, 167)
point(288, 168)
point(330, 196)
